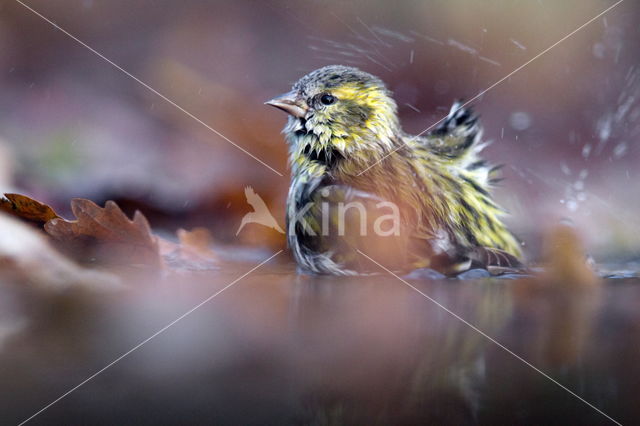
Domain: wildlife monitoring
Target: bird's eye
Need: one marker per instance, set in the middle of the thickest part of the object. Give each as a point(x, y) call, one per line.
point(327, 99)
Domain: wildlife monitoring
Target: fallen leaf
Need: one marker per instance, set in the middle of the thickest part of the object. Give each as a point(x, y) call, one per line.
point(563, 297)
point(105, 235)
point(198, 239)
point(27, 208)
point(567, 262)
point(26, 255)
point(193, 253)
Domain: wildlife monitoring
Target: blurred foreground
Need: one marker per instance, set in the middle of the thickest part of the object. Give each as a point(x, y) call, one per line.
point(281, 348)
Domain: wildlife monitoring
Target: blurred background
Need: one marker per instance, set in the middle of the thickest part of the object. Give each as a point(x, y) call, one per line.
point(72, 125)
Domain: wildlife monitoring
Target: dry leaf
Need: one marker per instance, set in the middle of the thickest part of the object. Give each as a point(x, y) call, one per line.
point(567, 263)
point(562, 297)
point(192, 254)
point(198, 239)
point(105, 235)
point(25, 255)
point(27, 208)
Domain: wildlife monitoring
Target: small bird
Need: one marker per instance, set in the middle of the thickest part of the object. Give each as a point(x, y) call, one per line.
point(347, 148)
point(260, 214)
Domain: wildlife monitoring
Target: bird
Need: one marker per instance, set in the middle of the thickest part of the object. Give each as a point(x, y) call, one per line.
point(347, 148)
point(260, 214)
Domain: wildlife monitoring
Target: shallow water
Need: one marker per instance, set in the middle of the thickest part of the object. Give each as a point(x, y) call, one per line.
point(278, 348)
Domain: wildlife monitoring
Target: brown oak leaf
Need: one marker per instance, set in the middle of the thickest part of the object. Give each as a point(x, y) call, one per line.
point(27, 208)
point(26, 255)
point(105, 235)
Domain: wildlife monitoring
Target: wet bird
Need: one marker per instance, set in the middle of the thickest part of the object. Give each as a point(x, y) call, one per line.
point(346, 146)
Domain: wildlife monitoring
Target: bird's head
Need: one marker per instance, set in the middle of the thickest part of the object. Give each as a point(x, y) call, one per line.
point(338, 113)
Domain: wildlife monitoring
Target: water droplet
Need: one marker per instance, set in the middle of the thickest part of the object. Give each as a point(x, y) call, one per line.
point(598, 50)
point(620, 150)
point(520, 120)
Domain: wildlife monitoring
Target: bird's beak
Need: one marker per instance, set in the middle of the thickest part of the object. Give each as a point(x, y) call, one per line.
point(290, 103)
